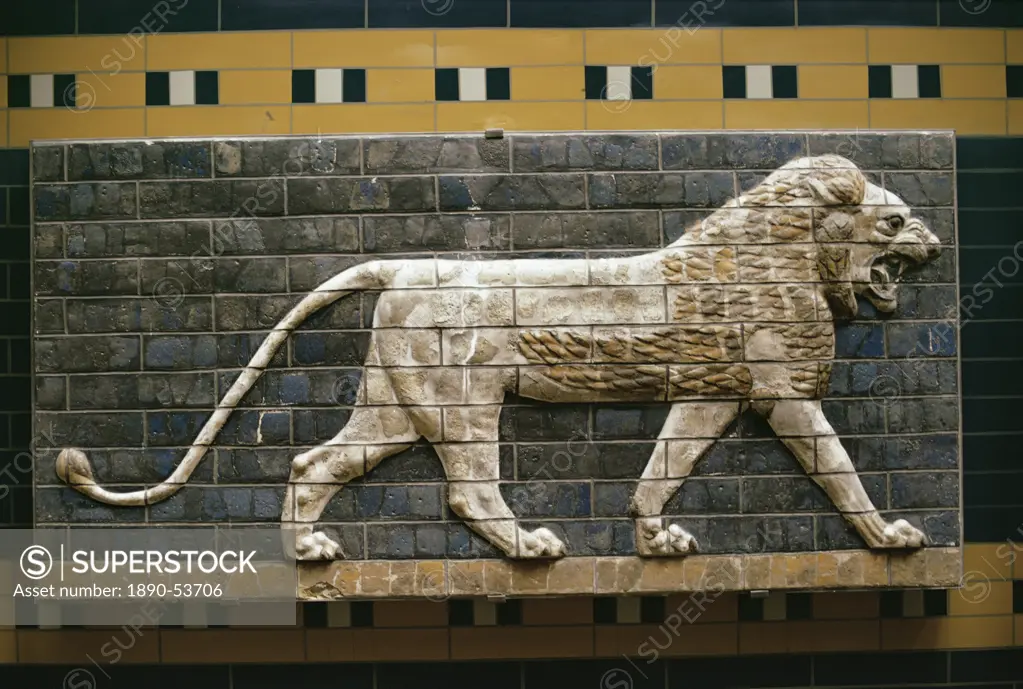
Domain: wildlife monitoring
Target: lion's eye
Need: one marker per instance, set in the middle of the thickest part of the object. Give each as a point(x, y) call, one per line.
point(895, 222)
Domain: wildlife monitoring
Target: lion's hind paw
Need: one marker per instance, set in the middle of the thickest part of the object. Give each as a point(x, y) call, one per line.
point(317, 546)
point(541, 543)
point(902, 534)
point(654, 539)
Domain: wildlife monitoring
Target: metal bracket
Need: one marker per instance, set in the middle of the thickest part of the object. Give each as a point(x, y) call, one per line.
point(497, 598)
point(759, 593)
point(494, 134)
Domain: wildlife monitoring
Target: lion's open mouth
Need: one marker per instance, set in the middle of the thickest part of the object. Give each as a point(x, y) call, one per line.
point(884, 274)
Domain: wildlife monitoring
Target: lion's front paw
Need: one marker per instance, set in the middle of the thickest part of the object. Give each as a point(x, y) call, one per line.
point(902, 534)
point(316, 546)
point(653, 539)
point(541, 543)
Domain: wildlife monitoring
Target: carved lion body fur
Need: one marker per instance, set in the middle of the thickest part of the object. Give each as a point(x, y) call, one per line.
point(738, 312)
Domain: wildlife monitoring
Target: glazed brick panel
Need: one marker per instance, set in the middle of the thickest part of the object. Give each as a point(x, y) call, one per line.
point(160, 267)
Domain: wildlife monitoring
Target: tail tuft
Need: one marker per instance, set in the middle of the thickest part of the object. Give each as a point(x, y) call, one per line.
point(73, 468)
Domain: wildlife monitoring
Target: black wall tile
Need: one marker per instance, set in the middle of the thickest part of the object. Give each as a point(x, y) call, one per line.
point(879, 81)
point(496, 675)
point(14, 167)
point(868, 12)
point(308, 676)
point(888, 669)
point(437, 13)
point(145, 16)
point(582, 13)
point(691, 15)
point(989, 152)
point(42, 18)
point(248, 15)
point(980, 13)
point(608, 674)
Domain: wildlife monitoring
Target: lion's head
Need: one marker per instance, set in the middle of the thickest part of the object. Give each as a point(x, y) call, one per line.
point(866, 236)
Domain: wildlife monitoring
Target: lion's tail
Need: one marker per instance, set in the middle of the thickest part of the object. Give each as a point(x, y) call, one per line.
point(73, 466)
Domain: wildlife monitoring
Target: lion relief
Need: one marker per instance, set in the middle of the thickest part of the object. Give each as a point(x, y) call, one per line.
point(738, 313)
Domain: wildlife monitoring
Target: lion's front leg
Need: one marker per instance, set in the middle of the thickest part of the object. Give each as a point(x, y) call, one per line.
point(803, 428)
point(690, 429)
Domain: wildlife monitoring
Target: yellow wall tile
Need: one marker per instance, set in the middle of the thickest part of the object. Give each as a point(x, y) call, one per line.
point(653, 115)
point(557, 611)
point(260, 50)
point(400, 85)
point(99, 54)
point(3, 93)
point(846, 605)
point(833, 81)
point(673, 82)
point(973, 81)
point(3, 57)
point(946, 632)
point(60, 123)
point(401, 644)
point(363, 49)
point(810, 636)
point(645, 47)
point(241, 87)
point(521, 642)
point(935, 46)
point(965, 116)
point(793, 114)
point(73, 646)
point(221, 120)
point(548, 83)
point(1019, 630)
point(697, 609)
point(628, 640)
point(232, 645)
point(989, 560)
point(793, 46)
point(411, 613)
point(359, 118)
point(8, 646)
point(981, 598)
point(3, 128)
point(1014, 46)
point(111, 91)
point(504, 48)
point(461, 117)
point(330, 645)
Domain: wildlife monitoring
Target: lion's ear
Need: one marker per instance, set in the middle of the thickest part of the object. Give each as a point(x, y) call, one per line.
point(838, 187)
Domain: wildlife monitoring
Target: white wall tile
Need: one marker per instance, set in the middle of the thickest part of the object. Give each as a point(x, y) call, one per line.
point(182, 88)
point(472, 83)
point(330, 85)
point(758, 81)
point(619, 83)
point(905, 81)
point(41, 90)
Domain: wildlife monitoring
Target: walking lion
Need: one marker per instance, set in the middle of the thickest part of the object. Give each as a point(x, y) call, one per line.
point(738, 313)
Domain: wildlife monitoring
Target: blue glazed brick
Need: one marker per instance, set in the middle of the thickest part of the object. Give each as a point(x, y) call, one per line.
point(185, 352)
point(859, 342)
point(921, 339)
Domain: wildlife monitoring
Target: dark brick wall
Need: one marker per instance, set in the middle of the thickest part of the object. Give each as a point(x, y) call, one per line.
point(145, 309)
point(990, 669)
point(15, 341)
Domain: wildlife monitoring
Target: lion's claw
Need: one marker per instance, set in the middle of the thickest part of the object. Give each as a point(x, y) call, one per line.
point(541, 543)
point(902, 534)
point(654, 539)
point(317, 546)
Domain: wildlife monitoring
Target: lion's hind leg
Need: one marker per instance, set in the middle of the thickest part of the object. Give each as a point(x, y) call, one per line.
point(690, 429)
point(803, 428)
point(371, 435)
